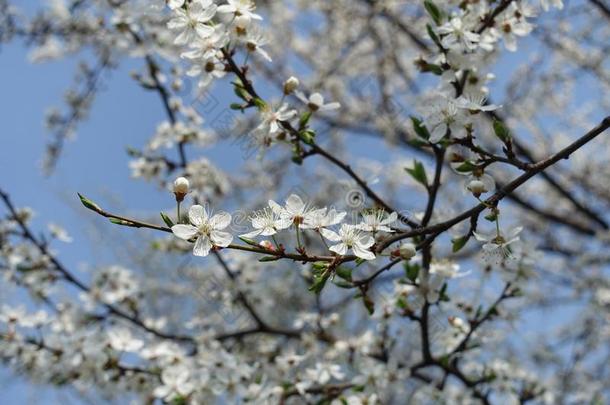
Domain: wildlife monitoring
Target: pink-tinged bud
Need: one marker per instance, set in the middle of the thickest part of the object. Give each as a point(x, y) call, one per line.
point(267, 245)
point(181, 188)
point(291, 85)
point(407, 251)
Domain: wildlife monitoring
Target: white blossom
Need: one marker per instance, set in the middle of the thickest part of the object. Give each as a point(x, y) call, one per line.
point(206, 229)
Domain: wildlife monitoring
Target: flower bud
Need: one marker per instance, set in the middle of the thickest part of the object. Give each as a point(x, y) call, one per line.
point(476, 187)
point(407, 251)
point(181, 188)
point(267, 245)
point(290, 85)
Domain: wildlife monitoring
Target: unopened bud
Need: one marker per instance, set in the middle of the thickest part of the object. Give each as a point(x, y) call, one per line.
point(267, 245)
point(291, 85)
point(476, 187)
point(181, 188)
point(407, 251)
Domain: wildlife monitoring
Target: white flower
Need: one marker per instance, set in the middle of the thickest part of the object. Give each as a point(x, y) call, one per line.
point(266, 222)
point(350, 237)
point(512, 26)
point(271, 119)
point(207, 230)
point(447, 269)
point(558, 4)
point(123, 341)
point(456, 36)
point(174, 4)
point(377, 221)
point(474, 103)
point(240, 8)
point(497, 246)
point(295, 211)
point(255, 42)
point(315, 102)
point(59, 233)
point(321, 219)
point(323, 373)
point(192, 22)
point(443, 116)
point(176, 381)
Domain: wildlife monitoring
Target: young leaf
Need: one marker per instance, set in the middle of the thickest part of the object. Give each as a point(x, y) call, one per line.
point(420, 129)
point(411, 270)
point(501, 131)
point(458, 243)
point(88, 203)
point(168, 221)
point(344, 272)
point(434, 12)
point(319, 282)
point(418, 173)
point(248, 241)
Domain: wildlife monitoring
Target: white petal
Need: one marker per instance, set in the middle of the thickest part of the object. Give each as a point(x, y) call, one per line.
point(366, 241)
point(198, 215)
point(220, 220)
point(202, 246)
point(438, 133)
point(185, 232)
point(252, 234)
point(330, 235)
point(294, 204)
point(340, 248)
point(316, 99)
point(220, 238)
point(362, 253)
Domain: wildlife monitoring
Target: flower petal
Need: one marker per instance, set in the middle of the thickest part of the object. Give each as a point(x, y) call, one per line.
point(220, 220)
point(220, 238)
point(202, 246)
point(198, 215)
point(185, 232)
point(362, 253)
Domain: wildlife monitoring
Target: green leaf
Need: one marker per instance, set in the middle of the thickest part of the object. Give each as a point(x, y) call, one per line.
point(459, 243)
point(308, 137)
point(88, 203)
point(259, 103)
point(344, 272)
point(411, 270)
point(248, 241)
point(236, 106)
point(269, 258)
point(418, 173)
point(433, 36)
point(491, 217)
point(466, 167)
point(168, 221)
point(420, 129)
point(304, 120)
point(369, 304)
point(319, 265)
point(434, 12)
point(240, 92)
point(319, 282)
point(122, 222)
point(342, 284)
point(501, 131)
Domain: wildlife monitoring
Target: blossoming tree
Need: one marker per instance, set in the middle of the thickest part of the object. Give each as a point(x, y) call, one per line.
point(413, 269)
